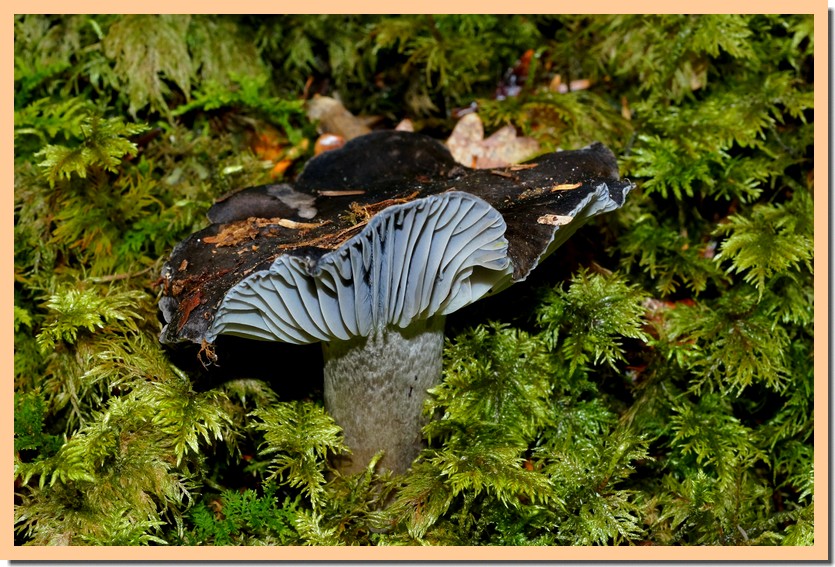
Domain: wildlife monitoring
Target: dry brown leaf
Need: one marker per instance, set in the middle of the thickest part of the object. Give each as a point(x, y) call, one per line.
point(334, 118)
point(469, 147)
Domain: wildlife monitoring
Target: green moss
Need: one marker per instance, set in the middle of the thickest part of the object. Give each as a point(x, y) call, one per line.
point(659, 390)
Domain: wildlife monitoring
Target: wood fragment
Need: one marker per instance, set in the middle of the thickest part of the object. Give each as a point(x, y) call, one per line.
point(521, 166)
point(233, 233)
point(341, 193)
point(566, 186)
point(331, 241)
point(368, 211)
point(236, 232)
point(187, 305)
point(295, 225)
point(362, 212)
point(530, 193)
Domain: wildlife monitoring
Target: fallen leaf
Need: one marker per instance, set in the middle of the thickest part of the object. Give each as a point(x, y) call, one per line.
point(334, 118)
point(469, 147)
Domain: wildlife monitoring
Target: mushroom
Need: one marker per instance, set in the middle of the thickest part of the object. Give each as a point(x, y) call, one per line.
point(371, 248)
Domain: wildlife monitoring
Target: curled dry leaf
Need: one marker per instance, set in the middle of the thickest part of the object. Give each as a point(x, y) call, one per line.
point(469, 147)
point(334, 118)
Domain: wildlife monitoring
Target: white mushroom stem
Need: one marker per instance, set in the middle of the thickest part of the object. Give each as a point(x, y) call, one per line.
point(375, 387)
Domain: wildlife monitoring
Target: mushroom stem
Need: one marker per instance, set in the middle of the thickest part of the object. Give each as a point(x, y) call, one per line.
point(375, 387)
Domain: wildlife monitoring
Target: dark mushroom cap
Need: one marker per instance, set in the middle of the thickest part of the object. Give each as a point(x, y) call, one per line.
point(399, 231)
point(265, 201)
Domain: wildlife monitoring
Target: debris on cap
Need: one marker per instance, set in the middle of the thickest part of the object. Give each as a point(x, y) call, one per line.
point(384, 230)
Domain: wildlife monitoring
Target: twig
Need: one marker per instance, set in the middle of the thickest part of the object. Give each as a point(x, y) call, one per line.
point(341, 193)
point(117, 277)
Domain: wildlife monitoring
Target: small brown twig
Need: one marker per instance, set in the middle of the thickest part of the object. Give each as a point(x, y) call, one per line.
point(118, 277)
point(341, 193)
